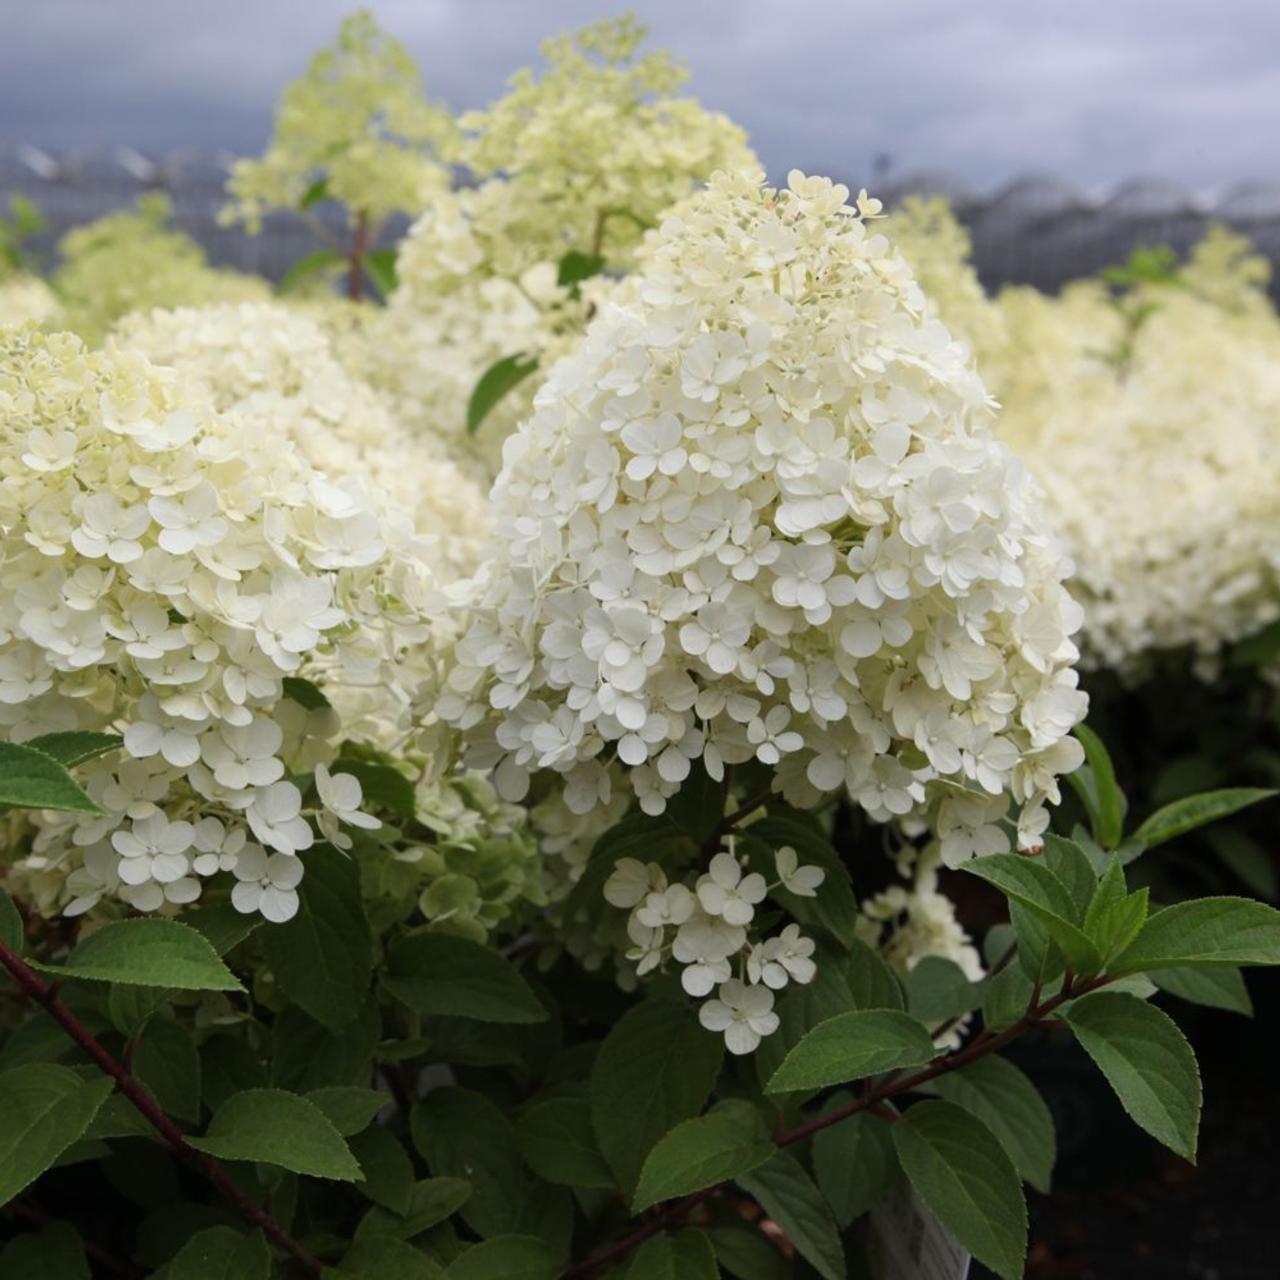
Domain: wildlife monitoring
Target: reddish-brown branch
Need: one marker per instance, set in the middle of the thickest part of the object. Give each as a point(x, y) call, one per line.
point(870, 1100)
point(46, 995)
point(355, 261)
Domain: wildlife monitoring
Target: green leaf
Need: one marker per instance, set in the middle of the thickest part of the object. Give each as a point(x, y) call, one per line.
point(748, 1254)
point(788, 1195)
point(221, 1253)
point(576, 267)
point(438, 973)
point(429, 1203)
point(317, 191)
point(385, 1167)
point(45, 1108)
point(687, 1256)
point(55, 1252)
point(937, 990)
point(306, 1055)
point(558, 1144)
point(495, 382)
point(222, 925)
point(1185, 815)
point(323, 957)
point(306, 693)
point(854, 1161)
point(129, 1008)
point(71, 749)
point(1005, 997)
point(655, 1068)
point(994, 1091)
point(1096, 785)
point(508, 1257)
point(963, 1174)
point(273, 1127)
point(1204, 931)
point(1219, 987)
point(1033, 886)
point(12, 932)
point(1115, 916)
point(852, 1046)
point(731, 1139)
point(29, 779)
point(166, 1062)
point(381, 785)
point(463, 1135)
point(310, 265)
point(349, 1108)
point(1248, 860)
point(150, 952)
point(1146, 1060)
point(381, 266)
point(386, 1258)
point(1073, 866)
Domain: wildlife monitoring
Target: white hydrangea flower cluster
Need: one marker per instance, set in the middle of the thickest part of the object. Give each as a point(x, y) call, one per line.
point(276, 369)
point(165, 570)
point(759, 514)
point(581, 158)
point(26, 299)
point(358, 123)
point(709, 927)
point(1162, 473)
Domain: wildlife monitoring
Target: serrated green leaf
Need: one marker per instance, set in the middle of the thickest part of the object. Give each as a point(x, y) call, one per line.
point(386, 1258)
point(655, 1068)
point(54, 1252)
point(994, 1091)
point(854, 1161)
point(166, 1062)
point(1096, 785)
point(1034, 887)
point(509, 1257)
point(271, 1126)
point(430, 1202)
point(1069, 862)
point(151, 952)
point(222, 925)
point(306, 1055)
point(730, 1140)
point(29, 779)
point(1146, 1060)
point(788, 1195)
point(558, 1143)
point(1219, 987)
point(220, 1253)
point(45, 1108)
point(1005, 997)
point(73, 748)
point(852, 1046)
point(311, 264)
point(438, 973)
point(1115, 916)
point(937, 989)
point(130, 1007)
point(1185, 815)
point(349, 1108)
point(323, 957)
point(496, 381)
point(962, 1173)
point(1204, 931)
point(463, 1135)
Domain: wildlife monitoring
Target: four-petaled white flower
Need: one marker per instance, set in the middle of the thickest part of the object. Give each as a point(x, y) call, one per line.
point(341, 796)
point(802, 881)
point(744, 1014)
point(267, 884)
point(724, 891)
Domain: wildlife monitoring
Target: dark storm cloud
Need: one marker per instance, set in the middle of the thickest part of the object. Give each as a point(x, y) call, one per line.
point(1095, 90)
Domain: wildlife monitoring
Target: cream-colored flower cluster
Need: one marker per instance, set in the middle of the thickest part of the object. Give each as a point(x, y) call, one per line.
point(357, 123)
point(275, 367)
point(133, 260)
point(170, 573)
point(705, 929)
point(759, 514)
point(26, 299)
point(582, 159)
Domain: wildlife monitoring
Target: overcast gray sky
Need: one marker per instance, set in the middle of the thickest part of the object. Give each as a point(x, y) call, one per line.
point(1092, 90)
